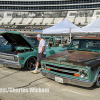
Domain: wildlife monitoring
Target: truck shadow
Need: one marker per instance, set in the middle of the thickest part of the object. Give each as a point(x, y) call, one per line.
point(86, 88)
point(21, 69)
point(18, 69)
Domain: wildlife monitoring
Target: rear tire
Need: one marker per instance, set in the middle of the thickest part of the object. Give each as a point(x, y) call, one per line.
point(30, 63)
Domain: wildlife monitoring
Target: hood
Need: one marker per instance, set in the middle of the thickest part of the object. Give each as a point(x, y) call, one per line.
point(75, 57)
point(16, 39)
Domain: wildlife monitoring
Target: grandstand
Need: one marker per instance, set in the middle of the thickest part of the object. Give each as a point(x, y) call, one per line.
point(58, 20)
point(37, 21)
point(41, 14)
point(77, 17)
point(5, 21)
point(48, 21)
point(16, 21)
point(26, 21)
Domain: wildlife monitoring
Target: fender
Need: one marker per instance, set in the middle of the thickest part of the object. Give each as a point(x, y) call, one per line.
point(33, 54)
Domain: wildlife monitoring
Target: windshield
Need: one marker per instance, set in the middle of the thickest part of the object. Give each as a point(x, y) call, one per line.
point(2, 41)
point(84, 44)
point(34, 41)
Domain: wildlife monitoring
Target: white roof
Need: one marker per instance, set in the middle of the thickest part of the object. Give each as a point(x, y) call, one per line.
point(93, 27)
point(62, 27)
point(94, 24)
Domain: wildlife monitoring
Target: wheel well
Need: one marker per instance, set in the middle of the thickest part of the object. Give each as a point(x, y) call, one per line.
point(35, 57)
point(28, 58)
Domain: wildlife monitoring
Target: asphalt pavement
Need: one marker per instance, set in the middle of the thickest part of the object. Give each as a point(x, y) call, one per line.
point(18, 84)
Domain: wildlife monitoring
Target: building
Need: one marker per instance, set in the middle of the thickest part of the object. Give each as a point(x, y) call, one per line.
point(48, 5)
point(41, 14)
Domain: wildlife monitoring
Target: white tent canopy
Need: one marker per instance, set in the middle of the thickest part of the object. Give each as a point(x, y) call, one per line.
point(93, 27)
point(61, 28)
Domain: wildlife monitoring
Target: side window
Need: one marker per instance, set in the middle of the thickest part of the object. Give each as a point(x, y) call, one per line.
point(89, 44)
point(83, 44)
point(95, 45)
point(75, 44)
point(57, 42)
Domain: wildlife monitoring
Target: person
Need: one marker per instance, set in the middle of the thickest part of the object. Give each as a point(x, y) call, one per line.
point(41, 52)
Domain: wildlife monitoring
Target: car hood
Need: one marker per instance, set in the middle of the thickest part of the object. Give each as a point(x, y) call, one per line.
point(16, 39)
point(74, 57)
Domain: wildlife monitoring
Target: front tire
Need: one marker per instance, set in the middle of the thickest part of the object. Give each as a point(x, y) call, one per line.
point(97, 83)
point(30, 63)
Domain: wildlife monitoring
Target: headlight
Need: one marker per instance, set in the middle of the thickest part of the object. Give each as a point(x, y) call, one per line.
point(84, 74)
point(43, 65)
point(16, 59)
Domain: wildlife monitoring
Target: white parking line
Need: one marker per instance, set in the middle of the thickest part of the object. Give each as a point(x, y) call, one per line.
point(74, 92)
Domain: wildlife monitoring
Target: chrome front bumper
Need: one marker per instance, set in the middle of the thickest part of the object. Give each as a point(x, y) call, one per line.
point(69, 80)
point(9, 64)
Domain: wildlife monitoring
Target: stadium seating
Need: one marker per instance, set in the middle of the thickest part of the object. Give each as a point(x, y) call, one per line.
point(80, 20)
point(5, 21)
point(16, 21)
point(37, 21)
point(96, 13)
point(26, 21)
point(89, 20)
point(93, 18)
point(58, 20)
point(47, 21)
point(71, 19)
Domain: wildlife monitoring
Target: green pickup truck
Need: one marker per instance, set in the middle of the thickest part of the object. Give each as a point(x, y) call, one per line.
point(78, 65)
point(23, 52)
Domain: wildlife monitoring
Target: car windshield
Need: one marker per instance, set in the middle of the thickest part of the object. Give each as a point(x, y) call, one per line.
point(33, 40)
point(84, 44)
point(2, 41)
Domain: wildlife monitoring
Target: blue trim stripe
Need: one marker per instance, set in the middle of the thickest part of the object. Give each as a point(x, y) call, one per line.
point(2, 29)
point(37, 30)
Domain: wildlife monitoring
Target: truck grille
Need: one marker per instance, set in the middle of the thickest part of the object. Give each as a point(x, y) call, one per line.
point(6, 57)
point(62, 70)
